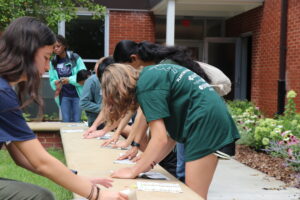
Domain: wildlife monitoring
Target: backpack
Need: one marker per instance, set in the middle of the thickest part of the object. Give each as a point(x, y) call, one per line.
point(219, 81)
point(71, 56)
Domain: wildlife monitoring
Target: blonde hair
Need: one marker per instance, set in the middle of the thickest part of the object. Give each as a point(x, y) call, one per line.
point(118, 91)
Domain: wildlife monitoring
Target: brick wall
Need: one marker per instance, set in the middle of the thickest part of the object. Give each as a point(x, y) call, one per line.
point(264, 23)
point(130, 25)
point(50, 139)
point(293, 50)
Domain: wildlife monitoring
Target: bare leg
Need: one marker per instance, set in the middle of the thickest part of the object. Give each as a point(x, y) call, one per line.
point(204, 169)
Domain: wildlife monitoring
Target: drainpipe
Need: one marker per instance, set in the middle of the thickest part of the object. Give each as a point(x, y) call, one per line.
point(282, 58)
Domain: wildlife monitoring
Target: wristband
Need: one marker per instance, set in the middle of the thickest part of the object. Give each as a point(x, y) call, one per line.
point(135, 144)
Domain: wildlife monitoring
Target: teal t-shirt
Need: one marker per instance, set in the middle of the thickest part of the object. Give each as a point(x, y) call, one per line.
point(194, 114)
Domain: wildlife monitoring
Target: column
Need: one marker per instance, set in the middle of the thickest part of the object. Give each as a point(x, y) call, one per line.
point(170, 34)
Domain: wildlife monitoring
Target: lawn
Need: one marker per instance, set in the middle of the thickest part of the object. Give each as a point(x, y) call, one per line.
point(8, 169)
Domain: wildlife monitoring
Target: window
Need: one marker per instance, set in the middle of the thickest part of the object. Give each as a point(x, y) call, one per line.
point(85, 36)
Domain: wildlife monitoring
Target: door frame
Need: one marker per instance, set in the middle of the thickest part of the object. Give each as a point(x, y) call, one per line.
point(239, 73)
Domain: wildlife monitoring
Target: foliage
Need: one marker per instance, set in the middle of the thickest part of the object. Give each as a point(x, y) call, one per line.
point(10, 170)
point(53, 117)
point(246, 116)
point(238, 107)
point(83, 116)
point(279, 137)
point(290, 152)
point(49, 11)
point(26, 117)
point(290, 107)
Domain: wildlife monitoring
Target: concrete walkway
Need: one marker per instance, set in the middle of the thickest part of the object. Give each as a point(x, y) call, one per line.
point(236, 181)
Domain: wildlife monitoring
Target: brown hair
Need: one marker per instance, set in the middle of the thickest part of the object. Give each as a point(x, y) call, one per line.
point(18, 46)
point(118, 91)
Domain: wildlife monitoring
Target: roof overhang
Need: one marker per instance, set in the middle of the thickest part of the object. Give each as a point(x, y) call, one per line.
point(208, 8)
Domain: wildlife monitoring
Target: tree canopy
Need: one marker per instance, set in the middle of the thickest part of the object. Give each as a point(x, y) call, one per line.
point(49, 11)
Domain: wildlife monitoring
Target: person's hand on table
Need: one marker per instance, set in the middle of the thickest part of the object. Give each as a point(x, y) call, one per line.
point(89, 131)
point(109, 195)
point(125, 173)
point(121, 144)
point(112, 140)
point(94, 134)
point(102, 181)
point(130, 154)
point(136, 158)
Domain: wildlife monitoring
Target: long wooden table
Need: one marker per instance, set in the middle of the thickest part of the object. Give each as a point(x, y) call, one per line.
point(89, 159)
point(52, 126)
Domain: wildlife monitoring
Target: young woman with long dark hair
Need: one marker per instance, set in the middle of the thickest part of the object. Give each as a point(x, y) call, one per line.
point(25, 50)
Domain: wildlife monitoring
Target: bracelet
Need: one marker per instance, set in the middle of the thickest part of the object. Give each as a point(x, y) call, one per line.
point(153, 164)
point(135, 144)
point(91, 193)
point(98, 191)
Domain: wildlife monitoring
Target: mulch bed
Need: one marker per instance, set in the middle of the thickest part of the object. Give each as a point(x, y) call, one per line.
point(265, 163)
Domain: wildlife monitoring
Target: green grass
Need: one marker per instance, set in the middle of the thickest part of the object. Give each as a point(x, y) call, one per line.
point(8, 169)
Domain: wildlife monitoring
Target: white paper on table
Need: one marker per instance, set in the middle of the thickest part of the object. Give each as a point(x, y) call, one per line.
point(153, 175)
point(76, 125)
point(125, 161)
point(110, 147)
point(159, 187)
point(105, 137)
point(72, 130)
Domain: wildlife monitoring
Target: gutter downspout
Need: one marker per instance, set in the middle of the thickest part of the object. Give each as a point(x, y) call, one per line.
point(282, 59)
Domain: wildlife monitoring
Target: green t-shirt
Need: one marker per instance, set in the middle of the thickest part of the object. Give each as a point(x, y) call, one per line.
point(194, 114)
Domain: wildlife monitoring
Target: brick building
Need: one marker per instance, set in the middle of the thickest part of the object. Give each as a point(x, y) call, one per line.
point(246, 39)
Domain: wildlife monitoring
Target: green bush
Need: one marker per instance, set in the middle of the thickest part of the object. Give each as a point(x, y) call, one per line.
point(279, 137)
point(267, 130)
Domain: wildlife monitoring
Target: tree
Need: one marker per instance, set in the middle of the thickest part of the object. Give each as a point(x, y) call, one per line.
point(49, 11)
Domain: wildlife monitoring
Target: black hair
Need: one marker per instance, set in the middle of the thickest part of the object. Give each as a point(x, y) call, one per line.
point(102, 66)
point(18, 47)
point(154, 52)
point(62, 40)
point(82, 75)
point(123, 50)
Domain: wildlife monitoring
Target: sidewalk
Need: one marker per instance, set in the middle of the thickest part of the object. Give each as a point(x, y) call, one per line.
point(235, 181)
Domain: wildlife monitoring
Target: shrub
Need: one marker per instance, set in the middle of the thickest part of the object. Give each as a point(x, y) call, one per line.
point(279, 137)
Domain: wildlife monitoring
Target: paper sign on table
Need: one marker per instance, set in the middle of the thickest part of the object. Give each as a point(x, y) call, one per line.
point(111, 147)
point(153, 175)
point(125, 161)
point(72, 130)
point(105, 137)
point(159, 187)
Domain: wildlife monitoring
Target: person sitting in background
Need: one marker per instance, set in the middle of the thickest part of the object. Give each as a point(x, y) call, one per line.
point(62, 76)
point(82, 75)
point(91, 97)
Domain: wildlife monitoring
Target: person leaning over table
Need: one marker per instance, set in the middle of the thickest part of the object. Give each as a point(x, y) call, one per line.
point(25, 49)
point(82, 76)
point(179, 106)
point(133, 53)
point(91, 97)
point(92, 92)
point(130, 52)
